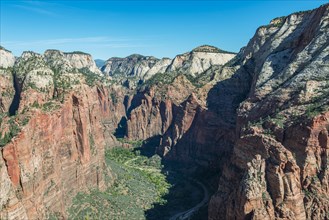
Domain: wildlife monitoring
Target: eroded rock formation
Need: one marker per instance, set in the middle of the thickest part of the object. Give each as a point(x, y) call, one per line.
point(260, 119)
point(59, 142)
point(283, 124)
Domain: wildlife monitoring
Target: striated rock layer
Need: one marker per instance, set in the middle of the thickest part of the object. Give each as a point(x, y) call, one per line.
point(55, 156)
point(61, 133)
point(260, 119)
point(279, 165)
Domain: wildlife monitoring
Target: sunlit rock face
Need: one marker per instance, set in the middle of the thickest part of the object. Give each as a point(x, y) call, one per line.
point(57, 132)
point(259, 118)
point(7, 91)
point(279, 165)
point(199, 60)
point(135, 68)
point(7, 59)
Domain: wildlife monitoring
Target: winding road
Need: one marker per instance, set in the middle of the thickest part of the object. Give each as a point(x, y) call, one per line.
point(188, 213)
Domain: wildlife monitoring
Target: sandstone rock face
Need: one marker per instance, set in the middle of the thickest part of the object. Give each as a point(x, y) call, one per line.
point(150, 114)
point(69, 61)
point(133, 65)
point(199, 60)
point(54, 157)
point(7, 91)
point(176, 110)
point(82, 60)
point(260, 118)
point(160, 67)
point(132, 70)
point(58, 150)
point(278, 167)
point(7, 59)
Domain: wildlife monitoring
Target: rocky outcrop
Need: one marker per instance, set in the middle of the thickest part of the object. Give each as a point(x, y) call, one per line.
point(7, 91)
point(82, 60)
point(280, 125)
point(70, 61)
point(150, 111)
point(71, 122)
point(260, 119)
point(199, 60)
point(57, 142)
point(160, 67)
point(54, 156)
point(132, 70)
point(7, 58)
point(134, 65)
point(175, 110)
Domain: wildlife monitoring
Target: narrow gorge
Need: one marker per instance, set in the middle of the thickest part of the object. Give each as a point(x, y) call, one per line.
point(209, 134)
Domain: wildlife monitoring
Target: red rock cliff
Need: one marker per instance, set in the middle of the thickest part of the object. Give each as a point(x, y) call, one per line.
point(59, 149)
point(279, 164)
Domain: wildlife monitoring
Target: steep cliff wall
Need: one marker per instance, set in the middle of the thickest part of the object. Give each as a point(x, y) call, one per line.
point(56, 143)
point(261, 119)
point(175, 106)
point(6, 79)
point(278, 168)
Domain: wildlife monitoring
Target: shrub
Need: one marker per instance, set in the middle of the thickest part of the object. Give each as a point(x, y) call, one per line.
point(14, 129)
point(90, 77)
point(50, 106)
point(114, 98)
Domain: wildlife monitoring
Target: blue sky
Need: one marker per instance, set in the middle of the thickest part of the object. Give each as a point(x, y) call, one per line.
point(120, 28)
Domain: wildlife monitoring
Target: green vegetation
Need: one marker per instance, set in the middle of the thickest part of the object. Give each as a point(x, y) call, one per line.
point(50, 106)
point(120, 155)
point(134, 144)
point(61, 84)
point(90, 77)
point(161, 79)
point(203, 78)
point(195, 81)
point(28, 64)
point(13, 130)
point(320, 103)
point(148, 168)
point(138, 185)
point(31, 85)
point(258, 123)
point(2, 115)
point(114, 98)
point(35, 104)
point(278, 119)
point(276, 22)
point(92, 144)
point(7, 94)
point(6, 70)
point(315, 109)
point(310, 193)
point(2, 48)
point(210, 49)
point(264, 196)
point(78, 52)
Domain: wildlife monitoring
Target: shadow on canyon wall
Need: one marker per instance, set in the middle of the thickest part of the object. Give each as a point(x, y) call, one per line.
point(222, 102)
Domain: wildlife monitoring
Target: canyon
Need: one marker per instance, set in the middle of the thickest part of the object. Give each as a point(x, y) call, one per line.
point(253, 126)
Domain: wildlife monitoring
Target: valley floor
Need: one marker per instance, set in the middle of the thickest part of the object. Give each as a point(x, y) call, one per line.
point(141, 190)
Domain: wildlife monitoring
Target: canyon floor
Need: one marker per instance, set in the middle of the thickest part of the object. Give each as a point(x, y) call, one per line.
point(144, 188)
point(149, 138)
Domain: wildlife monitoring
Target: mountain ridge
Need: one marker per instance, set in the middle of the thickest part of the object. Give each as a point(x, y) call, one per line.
point(255, 124)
